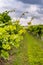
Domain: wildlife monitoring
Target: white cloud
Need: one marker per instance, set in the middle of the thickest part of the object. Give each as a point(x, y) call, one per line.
point(20, 6)
point(32, 8)
point(1, 3)
point(11, 3)
point(24, 21)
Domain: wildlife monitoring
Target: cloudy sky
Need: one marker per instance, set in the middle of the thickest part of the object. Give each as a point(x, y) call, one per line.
point(33, 7)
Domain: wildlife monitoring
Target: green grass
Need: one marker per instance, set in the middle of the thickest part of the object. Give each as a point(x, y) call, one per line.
point(35, 50)
point(30, 52)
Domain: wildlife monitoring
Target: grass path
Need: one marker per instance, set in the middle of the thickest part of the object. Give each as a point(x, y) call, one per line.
point(35, 50)
point(30, 52)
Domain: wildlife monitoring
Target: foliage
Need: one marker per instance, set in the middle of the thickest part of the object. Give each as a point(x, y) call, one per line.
point(4, 17)
point(10, 35)
point(36, 30)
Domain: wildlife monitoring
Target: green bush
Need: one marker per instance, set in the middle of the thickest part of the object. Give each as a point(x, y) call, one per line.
point(10, 35)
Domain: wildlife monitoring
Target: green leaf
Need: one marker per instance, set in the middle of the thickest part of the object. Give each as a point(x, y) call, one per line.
point(5, 54)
